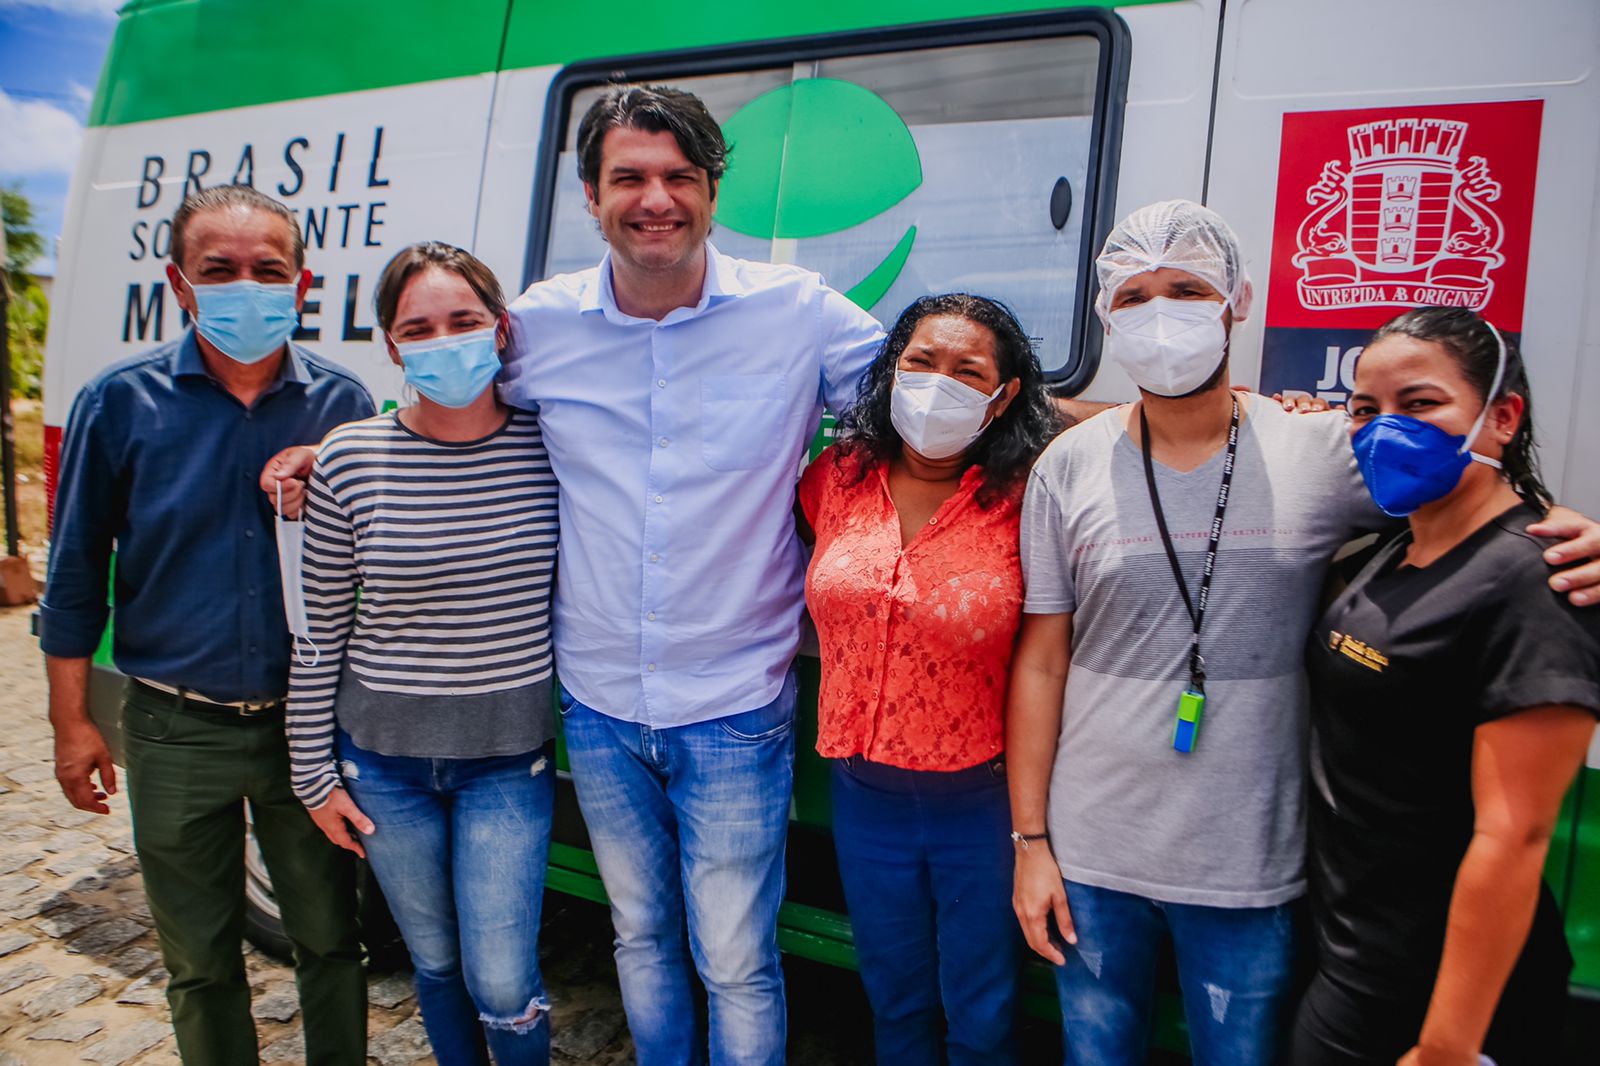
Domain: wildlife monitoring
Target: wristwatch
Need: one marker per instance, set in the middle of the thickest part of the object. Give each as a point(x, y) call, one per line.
point(1026, 839)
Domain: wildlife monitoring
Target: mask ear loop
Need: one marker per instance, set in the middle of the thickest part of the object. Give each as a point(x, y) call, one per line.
point(296, 638)
point(1483, 415)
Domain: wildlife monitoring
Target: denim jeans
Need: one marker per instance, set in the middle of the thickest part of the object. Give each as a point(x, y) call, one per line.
point(1236, 969)
point(689, 827)
point(459, 848)
point(926, 860)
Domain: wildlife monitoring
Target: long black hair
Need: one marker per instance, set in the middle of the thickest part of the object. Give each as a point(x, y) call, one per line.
point(1472, 344)
point(1008, 445)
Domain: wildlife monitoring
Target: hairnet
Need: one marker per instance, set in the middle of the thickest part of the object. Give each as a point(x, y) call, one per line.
point(1180, 234)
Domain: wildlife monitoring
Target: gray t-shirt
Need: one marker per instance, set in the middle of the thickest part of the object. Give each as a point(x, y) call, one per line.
point(1225, 825)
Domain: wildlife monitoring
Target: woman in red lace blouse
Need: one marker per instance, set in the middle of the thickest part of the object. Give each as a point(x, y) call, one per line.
point(916, 591)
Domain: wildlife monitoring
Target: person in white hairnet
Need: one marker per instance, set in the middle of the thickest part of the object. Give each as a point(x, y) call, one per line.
point(1173, 554)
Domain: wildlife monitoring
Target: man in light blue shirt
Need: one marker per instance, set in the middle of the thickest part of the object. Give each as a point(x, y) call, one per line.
point(678, 390)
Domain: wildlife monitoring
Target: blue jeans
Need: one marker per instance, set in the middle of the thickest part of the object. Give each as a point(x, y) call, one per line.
point(688, 827)
point(460, 849)
point(926, 862)
point(1236, 968)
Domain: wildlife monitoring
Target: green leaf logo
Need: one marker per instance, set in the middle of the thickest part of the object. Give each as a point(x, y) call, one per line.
point(816, 157)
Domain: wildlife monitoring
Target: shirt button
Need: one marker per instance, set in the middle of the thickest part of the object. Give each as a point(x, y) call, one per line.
point(651, 668)
point(933, 520)
point(654, 558)
point(249, 534)
point(661, 384)
point(651, 616)
point(252, 593)
point(658, 499)
point(663, 442)
point(881, 645)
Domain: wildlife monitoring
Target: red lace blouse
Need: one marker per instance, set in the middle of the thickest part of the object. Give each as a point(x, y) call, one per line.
point(916, 643)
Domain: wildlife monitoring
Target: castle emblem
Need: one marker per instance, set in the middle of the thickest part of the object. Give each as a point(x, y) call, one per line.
point(1404, 225)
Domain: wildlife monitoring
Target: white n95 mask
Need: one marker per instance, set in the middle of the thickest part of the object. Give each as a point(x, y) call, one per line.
point(291, 552)
point(936, 415)
point(1169, 347)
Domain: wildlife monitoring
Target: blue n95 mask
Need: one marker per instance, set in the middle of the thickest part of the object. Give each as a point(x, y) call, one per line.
point(246, 320)
point(1407, 462)
point(451, 371)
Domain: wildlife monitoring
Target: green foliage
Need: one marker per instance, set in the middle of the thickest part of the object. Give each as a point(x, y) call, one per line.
point(27, 317)
point(28, 312)
point(23, 242)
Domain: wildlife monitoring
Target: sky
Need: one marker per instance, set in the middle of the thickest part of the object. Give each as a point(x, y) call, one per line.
point(50, 55)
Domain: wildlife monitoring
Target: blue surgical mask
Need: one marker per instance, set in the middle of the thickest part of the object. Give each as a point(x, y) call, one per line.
point(1407, 462)
point(451, 371)
point(246, 320)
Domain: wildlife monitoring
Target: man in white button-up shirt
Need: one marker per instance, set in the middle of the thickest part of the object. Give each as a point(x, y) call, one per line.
point(678, 390)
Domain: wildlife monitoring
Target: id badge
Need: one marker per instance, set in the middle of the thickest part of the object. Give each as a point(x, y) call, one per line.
point(1191, 705)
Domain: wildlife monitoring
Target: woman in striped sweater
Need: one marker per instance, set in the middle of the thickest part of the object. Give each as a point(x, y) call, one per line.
point(424, 717)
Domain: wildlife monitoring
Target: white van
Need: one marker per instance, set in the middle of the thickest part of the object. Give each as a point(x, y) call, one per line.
point(1372, 155)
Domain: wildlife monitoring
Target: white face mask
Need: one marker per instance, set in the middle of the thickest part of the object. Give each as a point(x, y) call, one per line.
point(936, 415)
point(291, 551)
point(1169, 347)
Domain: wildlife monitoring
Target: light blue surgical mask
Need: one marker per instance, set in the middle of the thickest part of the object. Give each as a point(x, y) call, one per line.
point(246, 320)
point(451, 371)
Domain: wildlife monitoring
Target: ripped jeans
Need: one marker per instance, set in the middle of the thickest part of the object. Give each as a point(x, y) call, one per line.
point(460, 850)
point(1236, 968)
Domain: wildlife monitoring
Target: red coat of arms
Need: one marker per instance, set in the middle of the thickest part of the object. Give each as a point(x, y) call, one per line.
point(1407, 211)
point(1383, 209)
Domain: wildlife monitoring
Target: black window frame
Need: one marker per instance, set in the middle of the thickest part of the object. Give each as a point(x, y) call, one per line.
point(1105, 139)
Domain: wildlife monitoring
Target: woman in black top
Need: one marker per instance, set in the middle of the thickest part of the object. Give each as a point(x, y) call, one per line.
point(1453, 698)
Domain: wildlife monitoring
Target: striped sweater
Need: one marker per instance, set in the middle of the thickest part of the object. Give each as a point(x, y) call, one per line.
point(446, 651)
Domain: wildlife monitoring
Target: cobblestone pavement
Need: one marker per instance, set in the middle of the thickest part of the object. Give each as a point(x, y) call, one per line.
point(80, 973)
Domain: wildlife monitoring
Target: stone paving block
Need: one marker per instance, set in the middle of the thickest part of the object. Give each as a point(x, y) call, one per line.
point(71, 865)
point(588, 1034)
point(391, 990)
point(25, 833)
point(105, 937)
point(124, 1044)
point(14, 977)
point(15, 887)
point(72, 818)
point(123, 843)
point(36, 903)
point(67, 1030)
point(13, 942)
point(68, 840)
point(9, 1058)
point(278, 1003)
point(33, 773)
point(18, 858)
point(291, 1048)
point(70, 919)
point(134, 960)
point(148, 991)
point(63, 995)
point(403, 1045)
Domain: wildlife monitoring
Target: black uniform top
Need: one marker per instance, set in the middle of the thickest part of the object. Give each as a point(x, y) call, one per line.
point(1404, 666)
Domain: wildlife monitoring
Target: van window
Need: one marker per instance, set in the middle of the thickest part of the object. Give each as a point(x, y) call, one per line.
point(978, 167)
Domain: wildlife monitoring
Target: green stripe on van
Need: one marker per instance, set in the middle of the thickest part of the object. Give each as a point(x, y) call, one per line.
point(182, 57)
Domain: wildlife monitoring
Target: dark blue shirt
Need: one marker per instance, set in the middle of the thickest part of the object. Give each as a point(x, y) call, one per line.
point(162, 462)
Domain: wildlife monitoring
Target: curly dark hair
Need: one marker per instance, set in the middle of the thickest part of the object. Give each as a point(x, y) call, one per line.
point(1008, 446)
point(1471, 342)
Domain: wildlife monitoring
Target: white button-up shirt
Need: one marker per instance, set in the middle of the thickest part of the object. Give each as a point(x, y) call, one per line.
point(677, 444)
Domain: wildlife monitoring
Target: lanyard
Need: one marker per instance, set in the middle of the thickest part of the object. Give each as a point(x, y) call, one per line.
point(1195, 607)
